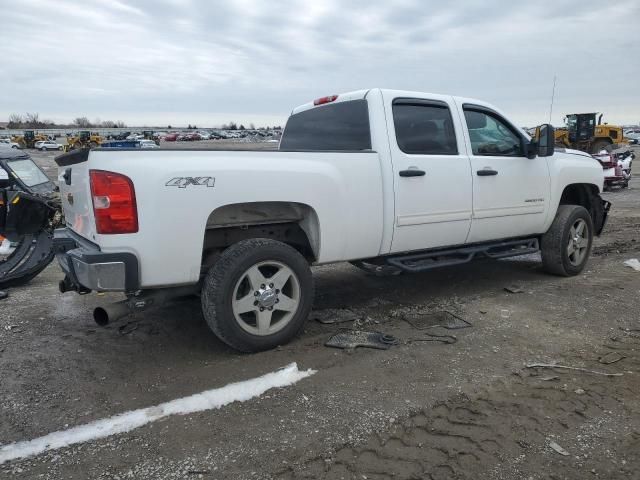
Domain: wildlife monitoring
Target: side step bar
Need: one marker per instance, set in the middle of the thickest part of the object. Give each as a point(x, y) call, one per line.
point(417, 262)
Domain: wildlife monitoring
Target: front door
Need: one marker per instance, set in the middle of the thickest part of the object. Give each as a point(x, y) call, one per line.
point(432, 178)
point(510, 191)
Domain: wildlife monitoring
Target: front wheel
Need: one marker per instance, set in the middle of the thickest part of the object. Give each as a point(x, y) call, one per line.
point(567, 244)
point(257, 295)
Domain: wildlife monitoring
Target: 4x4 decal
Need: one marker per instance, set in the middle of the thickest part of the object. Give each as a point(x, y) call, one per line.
point(184, 182)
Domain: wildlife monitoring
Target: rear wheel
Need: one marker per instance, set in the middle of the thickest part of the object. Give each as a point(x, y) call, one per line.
point(257, 295)
point(600, 145)
point(567, 244)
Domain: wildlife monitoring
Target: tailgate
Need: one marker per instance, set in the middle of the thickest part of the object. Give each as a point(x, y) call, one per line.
point(75, 192)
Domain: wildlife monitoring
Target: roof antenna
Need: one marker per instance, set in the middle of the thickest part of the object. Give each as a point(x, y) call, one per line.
point(553, 93)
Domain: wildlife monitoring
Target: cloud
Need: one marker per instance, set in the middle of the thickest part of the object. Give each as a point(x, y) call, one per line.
point(169, 61)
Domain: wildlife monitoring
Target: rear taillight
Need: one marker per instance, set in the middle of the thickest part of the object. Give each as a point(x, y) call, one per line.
point(323, 100)
point(114, 202)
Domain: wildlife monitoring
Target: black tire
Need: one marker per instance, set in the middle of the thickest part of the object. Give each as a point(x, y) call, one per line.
point(220, 283)
point(599, 145)
point(555, 243)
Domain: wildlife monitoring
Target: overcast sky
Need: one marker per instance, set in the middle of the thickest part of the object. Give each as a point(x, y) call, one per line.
point(207, 62)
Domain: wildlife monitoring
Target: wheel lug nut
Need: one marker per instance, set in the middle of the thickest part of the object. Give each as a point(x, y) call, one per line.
point(277, 291)
point(255, 294)
point(277, 300)
point(262, 309)
point(271, 285)
point(255, 303)
point(270, 308)
point(262, 286)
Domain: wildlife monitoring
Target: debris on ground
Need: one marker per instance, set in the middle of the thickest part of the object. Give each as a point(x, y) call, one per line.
point(633, 263)
point(357, 338)
point(431, 337)
point(579, 369)
point(330, 316)
point(514, 289)
point(558, 449)
point(127, 328)
point(3, 295)
point(442, 318)
point(611, 357)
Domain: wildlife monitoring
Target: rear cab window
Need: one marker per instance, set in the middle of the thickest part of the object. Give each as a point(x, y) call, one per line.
point(424, 127)
point(341, 126)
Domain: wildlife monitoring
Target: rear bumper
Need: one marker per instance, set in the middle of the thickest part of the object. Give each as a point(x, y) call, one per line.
point(88, 268)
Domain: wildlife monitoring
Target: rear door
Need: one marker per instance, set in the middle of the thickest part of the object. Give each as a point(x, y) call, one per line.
point(510, 191)
point(432, 176)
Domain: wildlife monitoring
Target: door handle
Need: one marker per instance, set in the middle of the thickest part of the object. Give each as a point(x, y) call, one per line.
point(486, 172)
point(412, 172)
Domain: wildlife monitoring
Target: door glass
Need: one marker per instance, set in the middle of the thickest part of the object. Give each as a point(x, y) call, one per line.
point(424, 129)
point(491, 136)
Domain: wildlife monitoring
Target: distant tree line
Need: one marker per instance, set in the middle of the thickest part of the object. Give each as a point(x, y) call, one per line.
point(32, 120)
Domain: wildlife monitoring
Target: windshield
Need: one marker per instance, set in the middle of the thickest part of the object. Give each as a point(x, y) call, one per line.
point(572, 122)
point(28, 172)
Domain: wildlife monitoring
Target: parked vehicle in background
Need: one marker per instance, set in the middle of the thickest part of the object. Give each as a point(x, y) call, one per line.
point(29, 212)
point(119, 136)
point(633, 136)
point(7, 143)
point(364, 177)
point(616, 167)
point(189, 137)
point(44, 145)
point(171, 137)
point(148, 144)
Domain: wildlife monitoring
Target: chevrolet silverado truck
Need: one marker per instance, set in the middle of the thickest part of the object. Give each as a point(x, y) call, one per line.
point(392, 181)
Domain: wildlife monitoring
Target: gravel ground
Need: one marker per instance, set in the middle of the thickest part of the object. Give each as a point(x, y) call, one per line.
point(422, 409)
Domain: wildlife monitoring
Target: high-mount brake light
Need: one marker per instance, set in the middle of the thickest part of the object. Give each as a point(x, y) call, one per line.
point(323, 100)
point(114, 202)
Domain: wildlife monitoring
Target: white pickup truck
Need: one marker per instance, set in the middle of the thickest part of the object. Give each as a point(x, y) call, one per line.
point(389, 180)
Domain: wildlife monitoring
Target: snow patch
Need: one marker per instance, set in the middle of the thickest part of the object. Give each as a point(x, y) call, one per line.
point(124, 422)
point(633, 263)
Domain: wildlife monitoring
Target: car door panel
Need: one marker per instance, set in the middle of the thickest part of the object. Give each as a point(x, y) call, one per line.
point(432, 190)
point(513, 200)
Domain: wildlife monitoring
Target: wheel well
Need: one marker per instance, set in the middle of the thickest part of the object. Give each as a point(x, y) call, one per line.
point(585, 195)
point(295, 224)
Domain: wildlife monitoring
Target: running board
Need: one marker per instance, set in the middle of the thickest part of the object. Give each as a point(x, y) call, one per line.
point(418, 262)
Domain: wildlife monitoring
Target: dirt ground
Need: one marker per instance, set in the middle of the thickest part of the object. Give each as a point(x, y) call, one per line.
point(464, 406)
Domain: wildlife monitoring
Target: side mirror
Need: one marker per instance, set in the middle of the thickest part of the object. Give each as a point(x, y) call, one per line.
point(545, 136)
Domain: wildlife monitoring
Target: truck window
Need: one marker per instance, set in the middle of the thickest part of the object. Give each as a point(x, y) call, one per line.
point(424, 127)
point(336, 126)
point(490, 135)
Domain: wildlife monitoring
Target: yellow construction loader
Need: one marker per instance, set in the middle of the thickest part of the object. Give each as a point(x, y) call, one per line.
point(582, 132)
point(28, 139)
point(83, 139)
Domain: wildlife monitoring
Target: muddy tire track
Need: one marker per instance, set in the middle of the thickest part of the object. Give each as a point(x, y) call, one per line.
point(504, 430)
